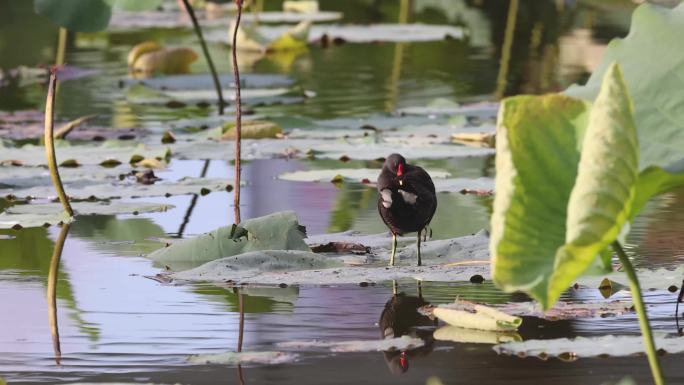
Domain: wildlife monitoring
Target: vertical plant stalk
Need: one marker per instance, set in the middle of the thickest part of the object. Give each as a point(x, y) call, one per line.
point(501, 79)
point(207, 56)
point(50, 143)
point(238, 116)
point(52, 291)
point(640, 308)
point(61, 47)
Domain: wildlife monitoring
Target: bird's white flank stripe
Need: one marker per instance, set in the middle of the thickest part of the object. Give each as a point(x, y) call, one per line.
point(386, 196)
point(408, 197)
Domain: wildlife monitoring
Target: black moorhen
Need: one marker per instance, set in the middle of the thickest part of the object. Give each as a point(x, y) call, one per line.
point(407, 199)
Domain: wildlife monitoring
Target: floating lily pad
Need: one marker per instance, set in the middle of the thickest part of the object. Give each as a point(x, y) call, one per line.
point(436, 257)
point(206, 82)
point(176, 18)
point(357, 149)
point(279, 231)
point(361, 33)
point(571, 349)
point(569, 310)
point(352, 174)
point(140, 94)
point(447, 107)
point(84, 189)
point(244, 358)
point(37, 215)
point(390, 344)
point(122, 151)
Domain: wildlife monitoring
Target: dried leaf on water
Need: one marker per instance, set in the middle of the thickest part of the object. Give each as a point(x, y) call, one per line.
point(473, 336)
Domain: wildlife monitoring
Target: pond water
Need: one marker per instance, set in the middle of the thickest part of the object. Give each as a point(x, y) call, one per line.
point(116, 325)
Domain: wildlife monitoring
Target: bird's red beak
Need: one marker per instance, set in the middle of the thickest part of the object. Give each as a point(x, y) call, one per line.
point(400, 169)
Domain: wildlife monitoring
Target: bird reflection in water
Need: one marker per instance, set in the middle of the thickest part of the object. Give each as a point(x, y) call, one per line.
point(400, 317)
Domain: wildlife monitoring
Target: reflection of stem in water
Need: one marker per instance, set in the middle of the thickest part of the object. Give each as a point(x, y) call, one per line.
point(238, 117)
point(193, 202)
point(241, 332)
point(640, 309)
point(395, 76)
point(241, 328)
point(506, 49)
point(61, 47)
point(680, 297)
point(50, 143)
point(207, 56)
point(257, 6)
point(52, 291)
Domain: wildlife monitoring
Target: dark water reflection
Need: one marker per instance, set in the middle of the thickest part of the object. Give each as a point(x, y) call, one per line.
point(116, 325)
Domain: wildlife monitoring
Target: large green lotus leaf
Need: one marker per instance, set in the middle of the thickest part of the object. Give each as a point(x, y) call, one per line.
point(538, 141)
point(277, 231)
point(654, 74)
point(75, 15)
point(555, 210)
point(38, 215)
point(601, 201)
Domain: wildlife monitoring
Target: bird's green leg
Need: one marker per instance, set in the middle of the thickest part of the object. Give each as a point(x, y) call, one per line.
point(425, 234)
point(420, 289)
point(394, 248)
point(395, 287)
point(418, 244)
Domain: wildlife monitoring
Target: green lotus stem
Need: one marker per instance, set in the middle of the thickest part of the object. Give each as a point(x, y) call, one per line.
point(50, 143)
point(506, 49)
point(61, 47)
point(641, 314)
point(238, 116)
point(207, 56)
point(52, 291)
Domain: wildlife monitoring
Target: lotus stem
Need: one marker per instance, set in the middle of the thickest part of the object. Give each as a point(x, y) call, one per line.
point(52, 291)
point(238, 115)
point(50, 143)
point(501, 79)
point(640, 308)
point(207, 56)
point(61, 47)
